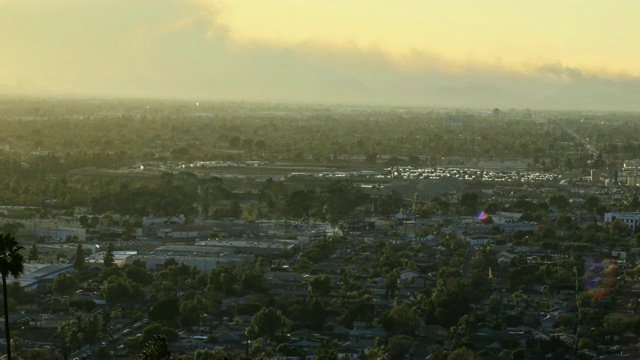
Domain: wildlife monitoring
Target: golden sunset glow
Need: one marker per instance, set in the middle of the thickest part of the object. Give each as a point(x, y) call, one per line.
point(243, 48)
point(594, 34)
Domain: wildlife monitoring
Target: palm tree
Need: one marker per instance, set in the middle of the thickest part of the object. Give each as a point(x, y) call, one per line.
point(11, 263)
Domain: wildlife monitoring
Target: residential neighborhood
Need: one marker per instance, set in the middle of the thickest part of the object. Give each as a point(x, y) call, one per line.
point(241, 250)
point(319, 180)
point(535, 272)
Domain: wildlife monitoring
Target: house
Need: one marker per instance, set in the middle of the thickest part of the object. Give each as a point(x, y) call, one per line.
point(310, 347)
point(433, 331)
point(429, 240)
point(283, 278)
point(359, 345)
point(476, 241)
point(228, 338)
point(620, 254)
point(502, 217)
point(410, 278)
point(409, 274)
point(504, 257)
point(629, 338)
point(348, 352)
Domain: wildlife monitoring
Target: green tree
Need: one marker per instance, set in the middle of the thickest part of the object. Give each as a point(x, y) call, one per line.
point(192, 308)
point(485, 259)
point(461, 354)
point(267, 323)
point(399, 346)
point(108, 259)
point(615, 323)
point(91, 327)
point(11, 227)
point(315, 315)
point(300, 202)
point(494, 304)
point(70, 334)
point(137, 272)
point(251, 280)
point(19, 294)
point(402, 320)
point(273, 194)
point(440, 204)
point(565, 221)
point(591, 202)
point(376, 353)
point(216, 354)
point(165, 311)
point(11, 263)
point(120, 290)
point(560, 201)
point(79, 331)
point(65, 284)
point(326, 352)
point(618, 228)
point(320, 285)
point(78, 259)
point(492, 207)
point(518, 354)
point(338, 199)
point(362, 310)
point(93, 222)
point(469, 203)
point(526, 276)
point(416, 205)
point(155, 329)
point(452, 298)
point(33, 253)
point(389, 204)
point(223, 279)
point(156, 349)
point(260, 145)
point(36, 354)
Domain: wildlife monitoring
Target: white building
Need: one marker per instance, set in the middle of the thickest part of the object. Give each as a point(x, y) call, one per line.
point(149, 221)
point(34, 272)
point(632, 219)
point(120, 257)
point(62, 234)
point(502, 217)
point(204, 262)
point(170, 233)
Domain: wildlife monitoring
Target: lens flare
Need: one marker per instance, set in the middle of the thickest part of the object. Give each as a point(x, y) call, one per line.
point(482, 216)
point(599, 277)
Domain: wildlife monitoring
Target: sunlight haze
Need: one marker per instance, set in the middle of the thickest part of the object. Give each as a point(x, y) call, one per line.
point(544, 54)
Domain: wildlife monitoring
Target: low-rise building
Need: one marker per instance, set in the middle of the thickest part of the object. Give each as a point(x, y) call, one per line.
point(120, 257)
point(36, 272)
point(62, 234)
point(632, 219)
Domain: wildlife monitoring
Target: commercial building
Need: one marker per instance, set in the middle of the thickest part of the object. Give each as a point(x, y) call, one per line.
point(632, 219)
point(62, 234)
point(34, 273)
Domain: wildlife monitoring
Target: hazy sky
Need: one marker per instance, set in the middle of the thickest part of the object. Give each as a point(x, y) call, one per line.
point(565, 54)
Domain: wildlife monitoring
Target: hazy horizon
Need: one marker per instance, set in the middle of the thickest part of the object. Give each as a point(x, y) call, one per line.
point(462, 53)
